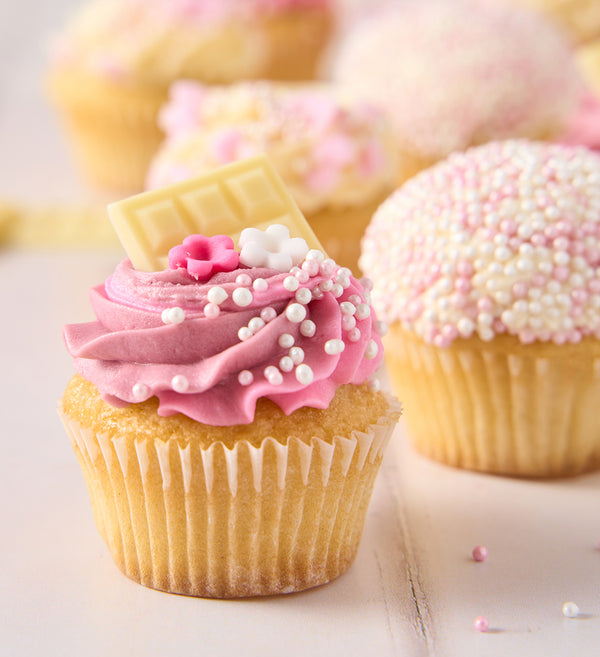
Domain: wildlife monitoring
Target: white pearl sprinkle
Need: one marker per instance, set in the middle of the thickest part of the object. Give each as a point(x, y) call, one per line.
point(255, 324)
point(347, 308)
point(374, 385)
point(243, 279)
point(268, 314)
point(286, 364)
point(362, 311)
point(174, 315)
point(308, 328)
point(245, 377)
point(217, 295)
point(304, 296)
point(179, 383)
point(326, 286)
point(342, 280)
point(286, 340)
point(465, 326)
point(291, 283)
point(337, 290)
point(372, 350)
point(273, 375)
point(354, 335)
point(260, 285)
point(295, 313)
point(381, 328)
point(244, 333)
point(315, 254)
point(334, 347)
point(348, 322)
point(242, 297)
point(311, 267)
point(570, 610)
point(327, 267)
point(297, 355)
point(304, 374)
point(302, 276)
point(140, 391)
point(211, 310)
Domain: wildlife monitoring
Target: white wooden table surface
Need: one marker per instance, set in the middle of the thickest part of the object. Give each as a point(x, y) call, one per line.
point(413, 590)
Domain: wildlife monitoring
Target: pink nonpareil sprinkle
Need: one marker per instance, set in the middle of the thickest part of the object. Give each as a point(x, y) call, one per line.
point(480, 553)
point(481, 624)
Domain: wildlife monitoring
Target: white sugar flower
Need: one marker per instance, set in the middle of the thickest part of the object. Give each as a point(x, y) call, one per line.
point(273, 248)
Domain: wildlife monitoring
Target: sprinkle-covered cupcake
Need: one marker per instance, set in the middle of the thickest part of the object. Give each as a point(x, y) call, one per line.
point(487, 267)
point(225, 410)
point(335, 154)
point(115, 60)
point(458, 74)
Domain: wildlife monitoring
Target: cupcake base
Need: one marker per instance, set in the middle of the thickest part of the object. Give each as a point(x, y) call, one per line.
point(501, 406)
point(250, 518)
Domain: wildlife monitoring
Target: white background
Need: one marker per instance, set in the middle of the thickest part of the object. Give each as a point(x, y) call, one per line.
point(414, 589)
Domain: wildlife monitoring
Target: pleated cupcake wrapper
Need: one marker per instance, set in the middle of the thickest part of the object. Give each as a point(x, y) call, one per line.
point(520, 413)
point(113, 132)
point(219, 522)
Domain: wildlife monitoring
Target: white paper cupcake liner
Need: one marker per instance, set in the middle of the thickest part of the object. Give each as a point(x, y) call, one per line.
point(502, 407)
point(221, 522)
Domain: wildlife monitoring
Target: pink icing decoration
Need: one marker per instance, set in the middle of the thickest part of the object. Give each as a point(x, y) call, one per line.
point(129, 344)
point(204, 256)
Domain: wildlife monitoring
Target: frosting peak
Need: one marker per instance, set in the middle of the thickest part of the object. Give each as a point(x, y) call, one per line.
point(209, 349)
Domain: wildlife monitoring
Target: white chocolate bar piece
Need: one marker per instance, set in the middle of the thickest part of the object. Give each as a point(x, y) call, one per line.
point(246, 193)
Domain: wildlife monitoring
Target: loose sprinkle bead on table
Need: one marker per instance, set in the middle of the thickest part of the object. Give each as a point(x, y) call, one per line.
point(481, 624)
point(480, 553)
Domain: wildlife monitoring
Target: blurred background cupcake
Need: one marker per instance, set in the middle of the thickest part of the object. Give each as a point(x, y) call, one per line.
point(335, 154)
point(487, 268)
point(457, 74)
point(113, 64)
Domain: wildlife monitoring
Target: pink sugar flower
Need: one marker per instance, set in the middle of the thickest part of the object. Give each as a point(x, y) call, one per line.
point(204, 256)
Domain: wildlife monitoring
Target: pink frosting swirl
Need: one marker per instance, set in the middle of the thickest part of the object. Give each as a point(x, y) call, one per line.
point(292, 337)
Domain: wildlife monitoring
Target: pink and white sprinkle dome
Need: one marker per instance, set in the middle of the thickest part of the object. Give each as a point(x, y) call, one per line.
point(504, 238)
point(459, 73)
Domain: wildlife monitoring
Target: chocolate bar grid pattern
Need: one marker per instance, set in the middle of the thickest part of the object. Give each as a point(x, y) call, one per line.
point(225, 201)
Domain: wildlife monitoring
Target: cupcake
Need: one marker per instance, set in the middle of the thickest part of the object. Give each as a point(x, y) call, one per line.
point(114, 62)
point(487, 268)
point(225, 410)
point(335, 154)
point(458, 74)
